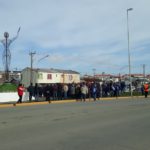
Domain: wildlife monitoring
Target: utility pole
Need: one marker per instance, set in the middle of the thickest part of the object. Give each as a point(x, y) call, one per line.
point(129, 58)
point(31, 69)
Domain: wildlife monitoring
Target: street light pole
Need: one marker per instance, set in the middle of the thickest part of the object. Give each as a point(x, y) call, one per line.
point(129, 59)
point(43, 58)
point(31, 69)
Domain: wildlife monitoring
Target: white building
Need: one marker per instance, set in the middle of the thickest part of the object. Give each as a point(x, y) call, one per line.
point(44, 76)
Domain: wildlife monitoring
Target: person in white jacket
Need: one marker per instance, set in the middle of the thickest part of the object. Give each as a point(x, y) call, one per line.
point(84, 92)
point(65, 89)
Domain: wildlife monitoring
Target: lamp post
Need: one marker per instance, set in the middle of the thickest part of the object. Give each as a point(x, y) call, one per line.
point(39, 60)
point(31, 69)
point(43, 58)
point(129, 59)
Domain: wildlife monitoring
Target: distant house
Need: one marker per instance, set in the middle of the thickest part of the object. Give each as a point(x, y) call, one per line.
point(103, 77)
point(44, 76)
point(14, 76)
point(2, 77)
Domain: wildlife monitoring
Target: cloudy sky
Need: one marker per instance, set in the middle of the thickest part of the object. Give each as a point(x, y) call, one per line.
point(80, 35)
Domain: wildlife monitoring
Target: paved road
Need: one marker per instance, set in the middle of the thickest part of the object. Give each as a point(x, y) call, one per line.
point(100, 125)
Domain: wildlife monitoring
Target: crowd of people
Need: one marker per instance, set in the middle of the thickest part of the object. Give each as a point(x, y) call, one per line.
point(78, 91)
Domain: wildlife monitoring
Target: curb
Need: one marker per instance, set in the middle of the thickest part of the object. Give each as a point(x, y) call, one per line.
point(62, 101)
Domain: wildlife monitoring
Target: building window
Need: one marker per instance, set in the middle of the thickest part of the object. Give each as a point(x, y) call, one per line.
point(40, 76)
point(49, 76)
point(70, 77)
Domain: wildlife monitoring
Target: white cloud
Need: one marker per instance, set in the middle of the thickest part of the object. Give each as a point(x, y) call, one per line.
point(85, 33)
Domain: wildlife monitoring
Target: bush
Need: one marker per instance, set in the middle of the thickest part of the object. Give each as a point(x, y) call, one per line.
point(134, 94)
point(8, 87)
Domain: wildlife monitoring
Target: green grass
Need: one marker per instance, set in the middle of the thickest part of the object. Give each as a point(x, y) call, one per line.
point(134, 94)
point(8, 87)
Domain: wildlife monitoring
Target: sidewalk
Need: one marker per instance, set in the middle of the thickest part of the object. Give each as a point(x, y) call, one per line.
point(27, 103)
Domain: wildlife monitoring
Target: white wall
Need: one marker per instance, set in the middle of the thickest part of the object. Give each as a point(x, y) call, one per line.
point(12, 97)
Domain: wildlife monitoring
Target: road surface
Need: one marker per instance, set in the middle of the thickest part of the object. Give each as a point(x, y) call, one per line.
point(100, 125)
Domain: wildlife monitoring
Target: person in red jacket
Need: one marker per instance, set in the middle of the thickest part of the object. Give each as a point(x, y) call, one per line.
point(146, 88)
point(20, 90)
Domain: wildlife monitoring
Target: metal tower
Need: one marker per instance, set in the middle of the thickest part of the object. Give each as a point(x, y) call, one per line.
point(6, 53)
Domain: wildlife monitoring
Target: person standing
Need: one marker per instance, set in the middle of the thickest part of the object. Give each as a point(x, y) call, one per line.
point(20, 91)
point(146, 87)
point(55, 91)
point(47, 92)
point(31, 92)
point(60, 91)
point(65, 88)
point(36, 92)
point(78, 92)
point(72, 91)
point(94, 91)
point(84, 92)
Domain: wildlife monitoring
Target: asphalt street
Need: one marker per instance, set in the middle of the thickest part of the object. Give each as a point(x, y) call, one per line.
point(100, 125)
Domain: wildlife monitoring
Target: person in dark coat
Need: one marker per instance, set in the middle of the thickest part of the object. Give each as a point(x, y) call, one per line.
point(94, 91)
point(36, 92)
point(31, 91)
point(47, 92)
point(55, 91)
point(78, 92)
point(60, 91)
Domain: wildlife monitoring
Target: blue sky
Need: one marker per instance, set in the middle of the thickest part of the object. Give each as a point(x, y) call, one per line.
point(77, 34)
